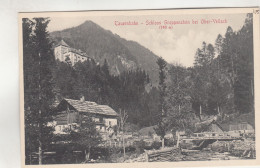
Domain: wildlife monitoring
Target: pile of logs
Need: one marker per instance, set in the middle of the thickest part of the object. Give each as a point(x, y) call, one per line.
point(162, 155)
point(140, 158)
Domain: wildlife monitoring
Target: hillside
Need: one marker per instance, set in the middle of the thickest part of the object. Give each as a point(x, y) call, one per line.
point(101, 44)
point(146, 59)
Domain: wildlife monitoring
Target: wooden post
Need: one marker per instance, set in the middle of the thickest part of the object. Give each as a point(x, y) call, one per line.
point(146, 157)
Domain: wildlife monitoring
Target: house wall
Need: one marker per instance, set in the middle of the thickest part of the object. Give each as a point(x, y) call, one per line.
point(156, 137)
point(61, 129)
point(243, 126)
point(65, 121)
point(101, 128)
point(110, 121)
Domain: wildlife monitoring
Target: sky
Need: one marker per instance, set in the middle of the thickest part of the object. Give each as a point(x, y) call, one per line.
point(175, 45)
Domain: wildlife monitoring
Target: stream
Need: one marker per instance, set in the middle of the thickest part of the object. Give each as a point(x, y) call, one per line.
point(206, 155)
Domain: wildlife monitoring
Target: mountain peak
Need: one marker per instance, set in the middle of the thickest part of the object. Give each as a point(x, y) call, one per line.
point(89, 23)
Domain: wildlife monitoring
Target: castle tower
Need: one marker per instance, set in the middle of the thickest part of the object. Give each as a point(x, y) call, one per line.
point(63, 52)
point(60, 49)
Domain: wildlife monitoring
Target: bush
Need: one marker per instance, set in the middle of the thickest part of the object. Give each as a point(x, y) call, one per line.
point(169, 142)
point(156, 145)
point(67, 158)
point(139, 146)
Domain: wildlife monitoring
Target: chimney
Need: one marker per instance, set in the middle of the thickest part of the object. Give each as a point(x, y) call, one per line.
point(82, 99)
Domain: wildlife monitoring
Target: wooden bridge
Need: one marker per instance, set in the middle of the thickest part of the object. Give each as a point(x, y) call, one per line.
point(202, 140)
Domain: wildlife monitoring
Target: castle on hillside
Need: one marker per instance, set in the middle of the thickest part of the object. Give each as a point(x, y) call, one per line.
point(64, 53)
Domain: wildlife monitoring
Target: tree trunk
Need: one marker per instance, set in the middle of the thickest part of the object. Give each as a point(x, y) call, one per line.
point(252, 88)
point(163, 142)
point(233, 69)
point(218, 110)
point(151, 117)
point(30, 157)
point(200, 113)
point(124, 145)
point(40, 141)
point(87, 154)
point(40, 153)
point(30, 154)
point(85, 151)
point(178, 140)
point(40, 114)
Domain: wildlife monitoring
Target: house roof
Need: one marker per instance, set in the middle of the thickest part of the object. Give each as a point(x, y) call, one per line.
point(203, 127)
point(91, 107)
point(146, 130)
point(245, 118)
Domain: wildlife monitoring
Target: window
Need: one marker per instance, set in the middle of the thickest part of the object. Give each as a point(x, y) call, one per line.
point(109, 123)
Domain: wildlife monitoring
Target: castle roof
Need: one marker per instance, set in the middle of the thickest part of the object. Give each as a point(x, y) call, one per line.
point(79, 52)
point(62, 42)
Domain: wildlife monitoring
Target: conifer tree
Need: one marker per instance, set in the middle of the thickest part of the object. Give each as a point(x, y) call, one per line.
point(38, 83)
point(86, 136)
point(162, 121)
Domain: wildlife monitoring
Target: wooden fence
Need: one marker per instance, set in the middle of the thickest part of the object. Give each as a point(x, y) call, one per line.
point(117, 143)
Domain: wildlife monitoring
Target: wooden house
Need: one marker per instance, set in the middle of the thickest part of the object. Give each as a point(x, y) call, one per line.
point(71, 113)
point(241, 128)
point(243, 124)
point(209, 129)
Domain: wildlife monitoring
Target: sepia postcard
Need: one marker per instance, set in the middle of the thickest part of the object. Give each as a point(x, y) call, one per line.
point(140, 88)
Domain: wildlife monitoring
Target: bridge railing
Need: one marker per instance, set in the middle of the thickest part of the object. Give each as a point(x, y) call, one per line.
point(213, 137)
